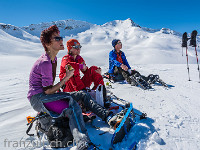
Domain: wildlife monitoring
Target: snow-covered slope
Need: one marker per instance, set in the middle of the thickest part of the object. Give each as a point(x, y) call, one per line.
point(173, 117)
point(18, 32)
point(11, 45)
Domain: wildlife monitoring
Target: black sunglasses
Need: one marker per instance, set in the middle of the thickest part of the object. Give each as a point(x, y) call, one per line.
point(120, 43)
point(77, 46)
point(58, 38)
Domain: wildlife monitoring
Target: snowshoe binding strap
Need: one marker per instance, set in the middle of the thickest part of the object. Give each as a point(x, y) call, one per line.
point(143, 116)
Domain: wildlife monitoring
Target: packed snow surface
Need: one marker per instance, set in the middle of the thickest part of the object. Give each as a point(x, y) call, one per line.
point(172, 113)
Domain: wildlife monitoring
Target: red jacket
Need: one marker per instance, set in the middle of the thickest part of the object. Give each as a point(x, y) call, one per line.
point(74, 83)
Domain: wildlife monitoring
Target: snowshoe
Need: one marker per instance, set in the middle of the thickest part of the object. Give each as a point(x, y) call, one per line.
point(152, 78)
point(155, 78)
point(162, 83)
point(116, 119)
point(122, 124)
point(138, 80)
point(133, 82)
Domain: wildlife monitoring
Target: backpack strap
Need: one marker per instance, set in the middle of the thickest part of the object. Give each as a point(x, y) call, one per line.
point(29, 128)
point(31, 120)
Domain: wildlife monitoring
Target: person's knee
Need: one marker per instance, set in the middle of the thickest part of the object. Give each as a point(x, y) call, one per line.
point(94, 67)
point(68, 112)
point(87, 96)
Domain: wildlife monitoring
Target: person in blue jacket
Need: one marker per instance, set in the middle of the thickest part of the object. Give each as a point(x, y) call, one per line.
point(119, 68)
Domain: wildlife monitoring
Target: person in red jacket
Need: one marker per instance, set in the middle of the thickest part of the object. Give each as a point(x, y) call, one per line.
point(73, 58)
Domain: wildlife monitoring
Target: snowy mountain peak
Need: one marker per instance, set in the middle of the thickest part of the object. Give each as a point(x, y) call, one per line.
point(128, 22)
point(169, 31)
point(133, 23)
point(65, 26)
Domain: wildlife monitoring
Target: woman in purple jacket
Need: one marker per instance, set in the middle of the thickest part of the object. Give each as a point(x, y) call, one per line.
point(43, 94)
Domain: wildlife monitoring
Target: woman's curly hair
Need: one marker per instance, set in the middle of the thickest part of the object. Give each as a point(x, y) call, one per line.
point(46, 35)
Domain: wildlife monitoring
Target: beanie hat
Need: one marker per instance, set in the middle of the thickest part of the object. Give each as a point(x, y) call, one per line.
point(114, 42)
point(71, 42)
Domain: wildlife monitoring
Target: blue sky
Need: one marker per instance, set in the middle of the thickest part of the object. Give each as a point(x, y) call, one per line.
point(178, 15)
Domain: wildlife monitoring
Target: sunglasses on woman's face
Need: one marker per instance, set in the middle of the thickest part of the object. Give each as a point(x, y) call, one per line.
point(120, 43)
point(77, 46)
point(58, 38)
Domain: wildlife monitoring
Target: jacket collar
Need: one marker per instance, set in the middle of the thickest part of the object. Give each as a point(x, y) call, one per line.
point(49, 59)
point(71, 57)
point(116, 51)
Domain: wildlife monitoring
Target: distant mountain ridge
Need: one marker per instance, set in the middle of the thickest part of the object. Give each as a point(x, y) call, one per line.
point(72, 27)
point(141, 44)
point(66, 27)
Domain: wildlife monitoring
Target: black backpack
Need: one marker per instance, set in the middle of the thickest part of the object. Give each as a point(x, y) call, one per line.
point(56, 129)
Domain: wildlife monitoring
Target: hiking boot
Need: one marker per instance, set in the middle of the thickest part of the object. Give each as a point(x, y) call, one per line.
point(107, 105)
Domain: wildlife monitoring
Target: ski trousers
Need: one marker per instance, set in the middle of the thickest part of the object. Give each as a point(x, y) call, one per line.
point(91, 76)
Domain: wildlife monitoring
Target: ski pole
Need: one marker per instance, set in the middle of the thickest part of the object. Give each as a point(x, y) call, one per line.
point(184, 41)
point(182, 51)
point(197, 63)
point(188, 65)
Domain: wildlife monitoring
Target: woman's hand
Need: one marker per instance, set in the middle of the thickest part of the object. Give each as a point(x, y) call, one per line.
point(84, 67)
point(69, 73)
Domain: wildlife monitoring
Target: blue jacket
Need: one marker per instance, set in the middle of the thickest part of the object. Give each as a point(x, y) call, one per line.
point(113, 62)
